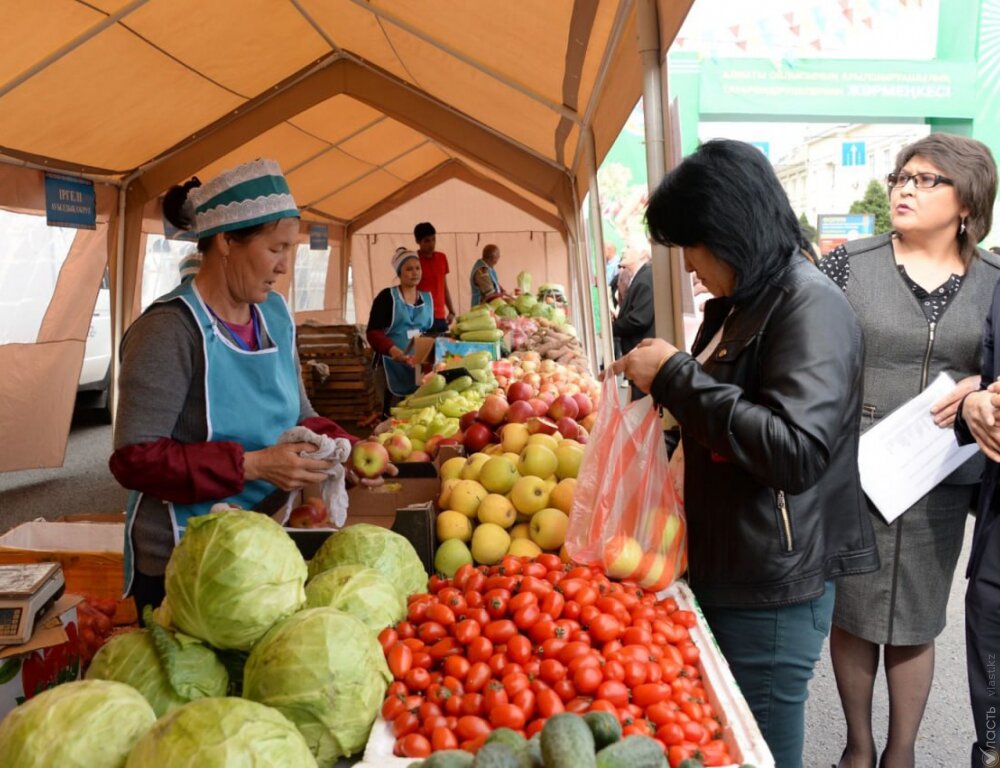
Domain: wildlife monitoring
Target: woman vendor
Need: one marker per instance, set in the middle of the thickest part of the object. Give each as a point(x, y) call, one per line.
point(210, 374)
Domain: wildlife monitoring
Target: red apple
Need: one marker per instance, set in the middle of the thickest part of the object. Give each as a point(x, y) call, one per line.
point(431, 446)
point(548, 395)
point(369, 459)
point(543, 425)
point(477, 437)
point(541, 407)
point(562, 407)
point(493, 410)
point(519, 412)
point(568, 428)
point(519, 390)
point(467, 420)
point(317, 502)
point(418, 456)
point(584, 405)
point(308, 516)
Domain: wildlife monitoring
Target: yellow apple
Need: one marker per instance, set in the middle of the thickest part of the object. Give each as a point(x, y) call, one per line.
point(473, 465)
point(514, 437)
point(493, 449)
point(489, 543)
point(671, 526)
point(498, 475)
point(562, 495)
point(570, 443)
point(537, 460)
point(450, 556)
point(446, 488)
point(564, 554)
point(521, 531)
point(466, 497)
point(524, 548)
point(622, 556)
point(529, 495)
point(453, 525)
point(568, 461)
point(541, 439)
point(452, 469)
point(496, 509)
point(548, 528)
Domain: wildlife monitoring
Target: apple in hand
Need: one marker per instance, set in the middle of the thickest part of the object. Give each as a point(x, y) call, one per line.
point(399, 447)
point(308, 516)
point(369, 459)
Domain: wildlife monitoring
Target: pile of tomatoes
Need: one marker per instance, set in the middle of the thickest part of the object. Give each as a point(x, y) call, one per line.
point(95, 619)
point(511, 645)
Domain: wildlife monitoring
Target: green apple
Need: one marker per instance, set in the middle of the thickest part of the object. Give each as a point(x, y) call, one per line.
point(529, 495)
point(497, 509)
point(548, 528)
point(537, 460)
point(450, 556)
point(466, 497)
point(498, 475)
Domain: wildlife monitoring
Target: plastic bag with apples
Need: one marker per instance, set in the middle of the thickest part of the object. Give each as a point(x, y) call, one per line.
point(626, 517)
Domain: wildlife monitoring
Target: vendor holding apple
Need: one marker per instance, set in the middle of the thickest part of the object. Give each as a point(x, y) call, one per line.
point(210, 375)
point(768, 406)
point(399, 314)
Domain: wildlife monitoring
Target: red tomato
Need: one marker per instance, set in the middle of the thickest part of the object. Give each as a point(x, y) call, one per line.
point(392, 707)
point(494, 695)
point(462, 575)
point(522, 599)
point(565, 689)
point(552, 671)
point(635, 673)
point(527, 616)
point(445, 647)
point(588, 679)
point(549, 561)
point(441, 614)
point(686, 619)
point(695, 733)
point(670, 734)
point(473, 600)
point(614, 670)
point(587, 595)
point(551, 648)
point(514, 683)
point(387, 638)
point(573, 650)
point(647, 694)
point(430, 632)
point(534, 727)
point(496, 606)
point(396, 688)
point(535, 569)
point(571, 610)
point(481, 649)
point(472, 704)
point(715, 752)
point(689, 651)
point(500, 631)
point(414, 745)
point(414, 644)
point(654, 672)
point(579, 706)
point(498, 664)
point(548, 703)
point(456, 666)
point(519, 649)
point(417, 679)
point(471, 727)
point(552, 604)
point(400, 660)
point(542, 630)
point(443, 738)
point(603, 705)
point(614, 691)
point(404, 724)
point(510, 565)
point(423, 660)
point(477, 678)
point(662, 713)
point(507, 716)
point(636, 636)
point(427, 710)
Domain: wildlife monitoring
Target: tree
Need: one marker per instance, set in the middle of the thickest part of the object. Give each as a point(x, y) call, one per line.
point(808, 229)
point(875, 201)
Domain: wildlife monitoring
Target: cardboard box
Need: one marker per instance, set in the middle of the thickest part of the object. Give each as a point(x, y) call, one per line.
point(49, 658)
point(422, 349)
point(447, 348)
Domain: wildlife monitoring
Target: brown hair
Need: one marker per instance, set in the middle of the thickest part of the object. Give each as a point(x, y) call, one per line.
point(970, 165)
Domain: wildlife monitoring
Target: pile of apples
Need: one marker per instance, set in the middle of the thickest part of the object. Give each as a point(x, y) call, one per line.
point(512, 499)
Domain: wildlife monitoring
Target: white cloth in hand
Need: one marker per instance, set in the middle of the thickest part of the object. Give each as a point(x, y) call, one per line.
point(334, 489)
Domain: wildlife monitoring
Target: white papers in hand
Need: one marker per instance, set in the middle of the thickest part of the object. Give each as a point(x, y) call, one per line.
point(906, 454)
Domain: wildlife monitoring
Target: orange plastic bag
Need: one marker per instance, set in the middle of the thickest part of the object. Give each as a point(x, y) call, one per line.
point(626, 518)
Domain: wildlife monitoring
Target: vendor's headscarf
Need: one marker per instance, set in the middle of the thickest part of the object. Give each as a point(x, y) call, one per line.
point(400, 257)
point(249, 194)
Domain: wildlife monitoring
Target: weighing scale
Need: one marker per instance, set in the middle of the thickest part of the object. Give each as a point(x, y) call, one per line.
point(26, 591)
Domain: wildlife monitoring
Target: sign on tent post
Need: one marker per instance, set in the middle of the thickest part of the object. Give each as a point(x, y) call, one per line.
point(70, 202)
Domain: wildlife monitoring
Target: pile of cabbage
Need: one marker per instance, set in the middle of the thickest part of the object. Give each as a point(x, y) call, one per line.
point(243, 658)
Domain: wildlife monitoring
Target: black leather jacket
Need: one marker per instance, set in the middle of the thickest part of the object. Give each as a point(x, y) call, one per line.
point(770, 431)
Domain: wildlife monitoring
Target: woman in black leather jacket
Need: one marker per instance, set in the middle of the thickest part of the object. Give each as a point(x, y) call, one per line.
point(767, 404)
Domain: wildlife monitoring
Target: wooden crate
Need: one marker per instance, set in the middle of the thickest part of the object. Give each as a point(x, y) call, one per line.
point(323, 341)
point(345, 389)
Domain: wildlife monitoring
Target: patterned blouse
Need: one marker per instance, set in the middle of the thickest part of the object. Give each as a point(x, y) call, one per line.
point(837, 266)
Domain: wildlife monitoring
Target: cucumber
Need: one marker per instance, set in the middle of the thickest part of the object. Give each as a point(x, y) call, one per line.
point(432, 386)
point(475, 360)
point(479, 375)
point(460, 384)
point(484, 323)
point(482, 334)
point(633, 752)
point(495, 755)
point(605, 727)
point(481, 310)
point(567, 742)
point(449, 758)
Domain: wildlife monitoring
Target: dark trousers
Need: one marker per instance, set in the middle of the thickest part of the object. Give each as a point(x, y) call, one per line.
point(982, 640)
point(147, 590)
point(772, 653)
point(440, 326)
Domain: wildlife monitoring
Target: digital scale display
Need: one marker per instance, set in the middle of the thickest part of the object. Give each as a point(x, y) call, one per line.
point(26, 590)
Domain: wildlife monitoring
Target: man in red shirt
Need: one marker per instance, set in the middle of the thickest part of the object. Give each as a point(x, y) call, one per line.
point(434, 268)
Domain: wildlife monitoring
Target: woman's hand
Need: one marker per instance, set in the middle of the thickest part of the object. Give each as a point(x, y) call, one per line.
point(283, 465)
point(945, 409)
point(401, 357)
point(981, 411)
point(641, 365)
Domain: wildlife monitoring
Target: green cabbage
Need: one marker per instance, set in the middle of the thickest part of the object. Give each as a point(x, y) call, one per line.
point(232, 576)
point(222, 733)
point(83, 724)
point(184, 669)
point(388, 553)
point(360, 591)
point(326, 672)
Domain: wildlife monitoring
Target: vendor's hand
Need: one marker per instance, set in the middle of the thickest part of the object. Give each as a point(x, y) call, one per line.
point(451, 317)
point(352, 478)
point(944, 410)
point(641, 365)
point(284, 466)
point(981, 411)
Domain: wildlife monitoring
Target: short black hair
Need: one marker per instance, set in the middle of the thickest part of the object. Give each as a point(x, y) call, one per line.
point(726, 197)
point(422, 230)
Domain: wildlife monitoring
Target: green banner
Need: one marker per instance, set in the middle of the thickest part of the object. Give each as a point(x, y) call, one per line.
point(838, 88)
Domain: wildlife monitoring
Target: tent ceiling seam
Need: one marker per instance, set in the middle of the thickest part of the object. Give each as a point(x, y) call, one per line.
point(365, 175)
point(312, 22)
point(72, 45)
point(395, 53)
point(334, 145)
point(325, 215)
point(560, 109)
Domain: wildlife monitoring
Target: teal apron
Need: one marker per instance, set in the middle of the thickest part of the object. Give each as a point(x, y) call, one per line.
point(407, 322)
point(251, 397)
point(477, 297)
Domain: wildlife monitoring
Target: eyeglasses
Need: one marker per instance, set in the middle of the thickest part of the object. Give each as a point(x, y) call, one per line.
point(921, 180)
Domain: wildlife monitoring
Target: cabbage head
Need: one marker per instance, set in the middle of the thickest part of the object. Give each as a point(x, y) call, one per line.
point(325, 671)
point(360, 591)
point(222, 733)
point(83, 724)
point(387, 552)
point(232, 576)
point(185, 670)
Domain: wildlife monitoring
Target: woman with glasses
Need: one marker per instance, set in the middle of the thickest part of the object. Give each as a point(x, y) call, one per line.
point(767, 405)
point(921, 293)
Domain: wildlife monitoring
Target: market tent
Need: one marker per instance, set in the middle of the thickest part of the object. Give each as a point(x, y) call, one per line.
point(357, 99)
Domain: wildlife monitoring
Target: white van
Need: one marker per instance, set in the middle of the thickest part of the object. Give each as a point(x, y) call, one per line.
point(95, 374)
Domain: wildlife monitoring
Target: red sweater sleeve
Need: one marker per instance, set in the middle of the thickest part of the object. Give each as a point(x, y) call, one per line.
point(324, 426)
point(378, 341)
point(183, 473)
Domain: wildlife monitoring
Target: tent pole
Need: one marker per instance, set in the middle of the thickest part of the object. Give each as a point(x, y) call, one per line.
point(583, 298)
point(117, 327)
point(669, 322)
point(597, 232)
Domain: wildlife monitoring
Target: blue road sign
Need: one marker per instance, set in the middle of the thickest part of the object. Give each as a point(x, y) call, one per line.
point(853, 153)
